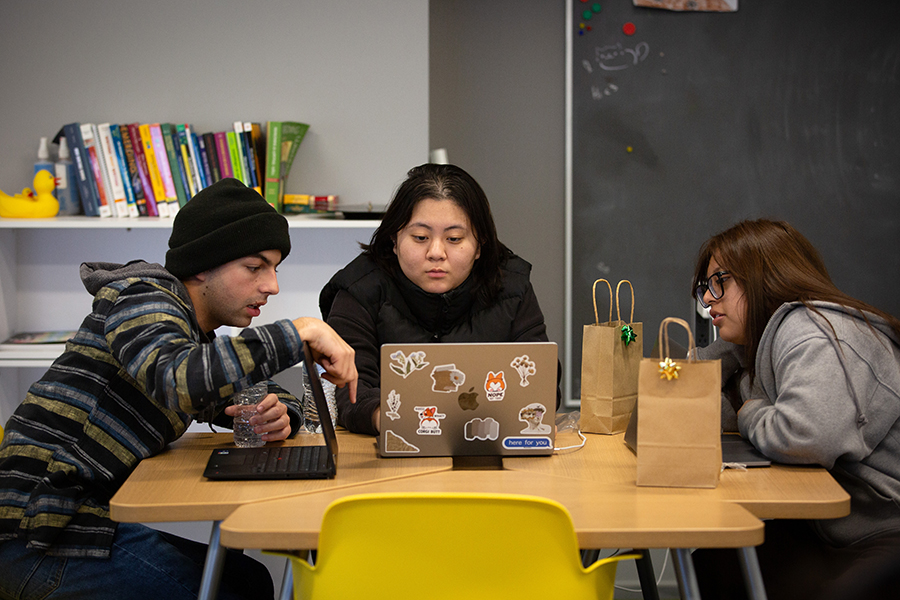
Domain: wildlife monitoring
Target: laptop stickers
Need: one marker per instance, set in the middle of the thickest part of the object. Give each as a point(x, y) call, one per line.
point(468, 399)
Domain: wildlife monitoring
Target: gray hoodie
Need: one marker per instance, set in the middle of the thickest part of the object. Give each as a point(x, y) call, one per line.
point(832, 401)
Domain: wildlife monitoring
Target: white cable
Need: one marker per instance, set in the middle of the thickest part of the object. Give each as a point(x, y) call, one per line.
point(576, 446)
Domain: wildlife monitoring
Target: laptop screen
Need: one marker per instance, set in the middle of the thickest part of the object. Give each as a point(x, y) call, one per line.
point(468, 399)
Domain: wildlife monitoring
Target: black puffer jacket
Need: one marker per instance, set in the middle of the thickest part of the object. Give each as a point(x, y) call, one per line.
point(368, 308)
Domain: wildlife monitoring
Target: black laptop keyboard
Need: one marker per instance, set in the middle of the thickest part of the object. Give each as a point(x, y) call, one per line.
point(291, 459)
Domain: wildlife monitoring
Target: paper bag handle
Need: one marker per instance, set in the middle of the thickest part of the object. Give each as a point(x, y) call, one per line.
point(594, 294)
point(664, 337)
point(618, 315)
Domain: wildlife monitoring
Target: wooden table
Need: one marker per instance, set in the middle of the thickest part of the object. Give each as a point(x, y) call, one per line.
point(170, 486)
point(776, 492)
point(596, 484)
point(604, 516)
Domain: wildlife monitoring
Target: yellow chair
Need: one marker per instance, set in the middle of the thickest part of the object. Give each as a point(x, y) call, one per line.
point(429, 545)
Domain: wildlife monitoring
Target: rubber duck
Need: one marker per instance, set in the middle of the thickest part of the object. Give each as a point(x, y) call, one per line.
point(38, 204)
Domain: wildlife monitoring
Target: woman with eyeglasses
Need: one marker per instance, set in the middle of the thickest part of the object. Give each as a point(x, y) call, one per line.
point(816, 377)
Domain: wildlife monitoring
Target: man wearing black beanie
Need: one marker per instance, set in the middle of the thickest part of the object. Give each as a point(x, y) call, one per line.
point(141, 367)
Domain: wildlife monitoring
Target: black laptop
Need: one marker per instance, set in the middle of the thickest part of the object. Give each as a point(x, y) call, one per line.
point(282, 462)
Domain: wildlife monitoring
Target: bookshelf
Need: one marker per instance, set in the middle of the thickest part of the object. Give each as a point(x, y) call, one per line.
point(40, 289)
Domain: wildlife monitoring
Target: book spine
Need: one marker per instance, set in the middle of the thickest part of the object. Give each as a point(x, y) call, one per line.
point(204, 158)
point(291, 135)
point(250, 155)
point(111, 167)
point(118, 144)
point(234, 156)
point(86, 187)
point(258, 141)
point(191, 176)
point(143, 169)
point(194, 153)
point(159, 192)
point(174, 163)
point(209, 140)
point(189, 173)
point(165, 169)
point(133, 176)
point(272, 185)
point(223, 154)
point(93, 154)
point(241, 156)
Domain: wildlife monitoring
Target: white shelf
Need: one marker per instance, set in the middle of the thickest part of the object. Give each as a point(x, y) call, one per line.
point(82, 222)
point(37, 355)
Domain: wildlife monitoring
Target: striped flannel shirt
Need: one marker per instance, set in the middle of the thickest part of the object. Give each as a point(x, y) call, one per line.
point(129, 383)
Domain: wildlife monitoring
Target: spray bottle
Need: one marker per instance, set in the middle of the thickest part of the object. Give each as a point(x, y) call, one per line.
point(43, 158)
point(66, 182)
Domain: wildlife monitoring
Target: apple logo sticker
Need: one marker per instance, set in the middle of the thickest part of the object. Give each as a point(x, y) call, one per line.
point(469, 400)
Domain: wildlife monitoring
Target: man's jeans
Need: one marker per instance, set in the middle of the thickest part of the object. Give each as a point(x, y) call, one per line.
point(143, 563)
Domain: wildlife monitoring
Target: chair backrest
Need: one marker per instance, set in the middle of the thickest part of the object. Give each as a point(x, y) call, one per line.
point(469, 546)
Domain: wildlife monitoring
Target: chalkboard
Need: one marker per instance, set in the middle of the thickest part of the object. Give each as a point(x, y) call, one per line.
point(787, 110)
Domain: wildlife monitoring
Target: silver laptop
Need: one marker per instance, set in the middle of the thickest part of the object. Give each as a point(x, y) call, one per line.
point(494, 399)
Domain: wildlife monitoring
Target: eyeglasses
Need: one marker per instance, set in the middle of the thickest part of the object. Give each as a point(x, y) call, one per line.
point(716, 286)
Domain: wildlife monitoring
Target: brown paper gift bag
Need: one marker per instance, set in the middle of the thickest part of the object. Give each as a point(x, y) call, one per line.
point(678, 426)
point(610, 360)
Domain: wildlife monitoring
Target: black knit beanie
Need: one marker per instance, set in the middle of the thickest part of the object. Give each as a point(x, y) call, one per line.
point(221, 223)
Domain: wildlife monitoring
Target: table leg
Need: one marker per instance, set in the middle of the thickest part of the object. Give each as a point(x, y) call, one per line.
point(752, 573)
point(646, 576)
point(287, 583)
point(684, 573)
point(212, 568)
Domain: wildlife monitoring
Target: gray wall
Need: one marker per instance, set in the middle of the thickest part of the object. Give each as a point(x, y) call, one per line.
point(497, 95)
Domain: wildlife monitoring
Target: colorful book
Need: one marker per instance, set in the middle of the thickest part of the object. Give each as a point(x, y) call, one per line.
point(112, 172)
point(137, 187)
point(175, 166)
point(209, 140)
point(194, 153)
point(272, 179)
point(143, 169)
point(241, 152)
point(258, 140)
point(156, 182)
point(290, 134)
point(236, 163)
point(92, 151)
point(87, 189)
point(251, 157)
point(193, 182)
point(165, 169)
point(183, 163)
point(223, 154)
point(204, 158)
point(119, 146)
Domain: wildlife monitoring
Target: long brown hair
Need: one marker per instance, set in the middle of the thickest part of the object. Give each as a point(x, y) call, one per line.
point(774, 263)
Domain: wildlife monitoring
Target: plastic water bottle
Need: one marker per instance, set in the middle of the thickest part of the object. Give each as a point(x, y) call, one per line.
point(66, 184)
point(310, 414)
point(247, 399)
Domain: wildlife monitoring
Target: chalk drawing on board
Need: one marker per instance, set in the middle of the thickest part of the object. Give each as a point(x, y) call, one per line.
point(609, 90)
point(617, 57)
point(691, 5)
